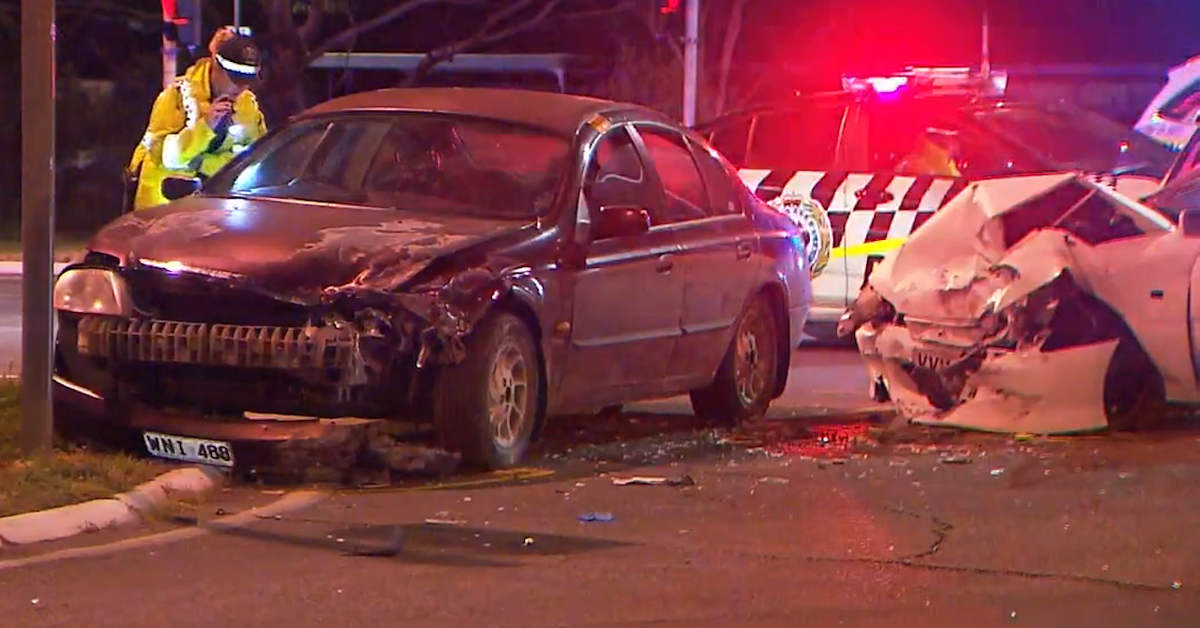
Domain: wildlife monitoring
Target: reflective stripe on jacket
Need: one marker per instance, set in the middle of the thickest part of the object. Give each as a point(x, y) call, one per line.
point(178, 139)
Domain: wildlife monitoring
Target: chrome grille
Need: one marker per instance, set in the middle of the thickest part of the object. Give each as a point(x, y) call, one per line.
point(148, 340)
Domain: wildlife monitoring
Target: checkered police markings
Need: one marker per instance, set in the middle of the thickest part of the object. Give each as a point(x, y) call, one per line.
point(852, 219)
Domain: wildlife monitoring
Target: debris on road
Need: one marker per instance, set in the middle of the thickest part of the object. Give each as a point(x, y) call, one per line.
point(685, 480)
point(955, 459)
point(596, 517)
point(438, 521)
point(385, 451)
point(998, 472)
point(773, 480)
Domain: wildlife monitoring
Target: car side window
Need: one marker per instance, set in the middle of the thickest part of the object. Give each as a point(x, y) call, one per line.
point(720, 179)
point(804, 138)
point(686, 197)
point(616, 176)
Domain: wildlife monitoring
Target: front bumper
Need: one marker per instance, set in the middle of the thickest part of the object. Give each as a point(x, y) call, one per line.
point(277, 445)
point(1038, 392)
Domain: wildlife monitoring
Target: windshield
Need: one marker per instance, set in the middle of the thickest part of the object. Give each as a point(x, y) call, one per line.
point(1079, 140)
point(420, 162)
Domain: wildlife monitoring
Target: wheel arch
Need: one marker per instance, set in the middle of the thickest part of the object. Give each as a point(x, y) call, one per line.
point(776, 299)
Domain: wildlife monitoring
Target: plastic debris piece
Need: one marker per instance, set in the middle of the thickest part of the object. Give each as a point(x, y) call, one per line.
point(1177, 585)
point(999, 471)
point(955, 460)
point(655, 481)
point(599, 517)
point(774, 480)
point(528, 541)
point(444, 521)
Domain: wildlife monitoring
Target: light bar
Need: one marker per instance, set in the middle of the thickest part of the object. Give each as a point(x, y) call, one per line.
point(930, 79)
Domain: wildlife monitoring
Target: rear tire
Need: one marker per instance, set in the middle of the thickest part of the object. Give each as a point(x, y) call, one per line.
point(486, 407)
point(745, 380)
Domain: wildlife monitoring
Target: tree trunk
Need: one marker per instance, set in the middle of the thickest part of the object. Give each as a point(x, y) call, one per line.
point(282, 92)
point(729, 46)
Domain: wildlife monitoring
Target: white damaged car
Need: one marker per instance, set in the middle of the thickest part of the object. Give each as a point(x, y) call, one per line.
point(1046, 304)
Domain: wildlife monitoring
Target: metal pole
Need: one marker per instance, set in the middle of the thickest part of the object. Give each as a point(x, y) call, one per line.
point(170, 52)
point(237, 13)
point(691, 49)
point(37, 224)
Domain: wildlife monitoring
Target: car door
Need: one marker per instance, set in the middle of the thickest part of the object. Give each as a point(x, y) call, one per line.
point(718, 250)
point(627, 297)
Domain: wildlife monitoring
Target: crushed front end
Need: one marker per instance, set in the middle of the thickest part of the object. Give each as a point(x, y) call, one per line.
point(300, 379)
point(1038, 365)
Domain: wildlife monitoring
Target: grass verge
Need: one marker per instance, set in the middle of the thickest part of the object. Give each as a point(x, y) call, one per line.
point(65, 247)
point(71, 474)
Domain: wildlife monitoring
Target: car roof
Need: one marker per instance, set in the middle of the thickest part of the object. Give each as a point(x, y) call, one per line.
point(558, 113)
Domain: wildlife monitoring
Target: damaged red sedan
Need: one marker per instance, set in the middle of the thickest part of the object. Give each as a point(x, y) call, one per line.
point(476, 259)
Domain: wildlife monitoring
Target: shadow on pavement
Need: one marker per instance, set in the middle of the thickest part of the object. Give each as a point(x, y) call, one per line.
point(415, 543)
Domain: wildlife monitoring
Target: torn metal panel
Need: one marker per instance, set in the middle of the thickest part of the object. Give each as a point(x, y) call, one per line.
point(1027, 392)
point(1013, 308)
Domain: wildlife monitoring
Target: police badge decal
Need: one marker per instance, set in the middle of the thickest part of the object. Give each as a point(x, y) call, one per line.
point(811, 217)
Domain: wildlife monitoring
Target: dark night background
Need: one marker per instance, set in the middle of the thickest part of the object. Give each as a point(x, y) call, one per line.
point(113, 45)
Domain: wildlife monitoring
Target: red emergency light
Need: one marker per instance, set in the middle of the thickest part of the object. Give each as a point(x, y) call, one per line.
point(170, 11)
point(668, 7)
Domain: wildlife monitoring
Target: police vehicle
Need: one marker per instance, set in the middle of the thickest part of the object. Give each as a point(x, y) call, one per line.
point(861, 168)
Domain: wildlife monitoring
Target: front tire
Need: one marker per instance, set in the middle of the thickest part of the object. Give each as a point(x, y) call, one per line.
point(745, 380)
point(486, 407)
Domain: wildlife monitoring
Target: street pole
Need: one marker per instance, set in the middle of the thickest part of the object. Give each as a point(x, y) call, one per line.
point(237, 13)
point(691, 58)
point(170, 51)
point(37, 224)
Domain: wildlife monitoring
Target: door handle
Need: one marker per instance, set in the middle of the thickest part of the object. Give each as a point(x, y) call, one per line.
point(664, 264)
point(744, 250)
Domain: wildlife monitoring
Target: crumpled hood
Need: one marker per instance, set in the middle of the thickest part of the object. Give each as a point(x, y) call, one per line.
point(289, 247)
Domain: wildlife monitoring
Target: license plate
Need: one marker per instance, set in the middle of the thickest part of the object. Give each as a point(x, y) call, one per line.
point(929, 360)
point(198, 450)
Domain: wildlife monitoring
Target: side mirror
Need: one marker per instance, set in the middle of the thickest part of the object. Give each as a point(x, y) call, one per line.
point(1189, 223)
point(179, 187)
point(621, 221)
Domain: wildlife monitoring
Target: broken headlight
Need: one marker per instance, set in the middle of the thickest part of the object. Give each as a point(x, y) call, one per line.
point(92, 291)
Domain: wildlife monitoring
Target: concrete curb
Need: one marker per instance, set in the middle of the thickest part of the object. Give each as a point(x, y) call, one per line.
point(16, 268)
point(99, 514)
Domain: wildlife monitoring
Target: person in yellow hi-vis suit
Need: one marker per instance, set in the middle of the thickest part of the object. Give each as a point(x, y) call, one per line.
point(936, 153)
point(200, 122)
